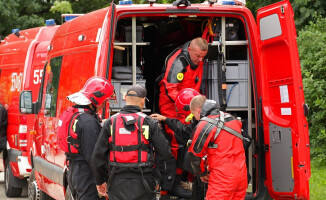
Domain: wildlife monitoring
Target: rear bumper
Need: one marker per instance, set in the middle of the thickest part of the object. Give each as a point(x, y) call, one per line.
point(19, 163)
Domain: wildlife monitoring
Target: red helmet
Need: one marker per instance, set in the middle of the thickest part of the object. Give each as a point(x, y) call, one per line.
point(183, 99)
point(96, 90)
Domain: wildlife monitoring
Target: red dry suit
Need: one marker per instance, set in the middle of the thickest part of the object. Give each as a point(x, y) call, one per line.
point(180, 73)
point(226, 161)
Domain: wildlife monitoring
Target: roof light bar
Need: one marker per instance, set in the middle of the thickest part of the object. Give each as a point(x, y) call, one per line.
point(69, 17)
point(125, 2)
point(50, 22)
point(15, 31)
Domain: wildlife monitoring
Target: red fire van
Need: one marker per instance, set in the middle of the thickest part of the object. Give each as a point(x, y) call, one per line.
point(22, 59)
point(128, 44)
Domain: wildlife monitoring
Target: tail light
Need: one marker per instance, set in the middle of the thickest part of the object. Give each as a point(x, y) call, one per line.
point(23, 132)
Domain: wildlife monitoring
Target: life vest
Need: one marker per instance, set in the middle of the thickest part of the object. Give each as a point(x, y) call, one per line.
point(129, 145)
point(67, 138)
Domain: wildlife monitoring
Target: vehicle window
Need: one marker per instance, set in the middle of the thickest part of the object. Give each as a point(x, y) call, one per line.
point(52, 86)
point(270, 27)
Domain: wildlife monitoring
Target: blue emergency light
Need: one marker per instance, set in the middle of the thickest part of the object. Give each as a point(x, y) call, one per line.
point(125, 2)
point(15, 30)
point(228, 3)
point(69, 18)
point(50, 22)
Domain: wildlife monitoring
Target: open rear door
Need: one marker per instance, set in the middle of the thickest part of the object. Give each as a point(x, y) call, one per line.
point(105, 43)
point(286, 134)
point(104, 57)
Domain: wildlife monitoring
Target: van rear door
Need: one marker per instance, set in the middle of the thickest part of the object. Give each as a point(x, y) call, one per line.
point(286, 133)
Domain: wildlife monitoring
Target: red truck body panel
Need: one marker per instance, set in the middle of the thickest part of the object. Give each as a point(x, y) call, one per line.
point(85, 47)
point(21, 65)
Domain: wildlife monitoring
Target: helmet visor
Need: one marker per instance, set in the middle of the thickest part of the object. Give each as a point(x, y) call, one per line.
point(79, 99)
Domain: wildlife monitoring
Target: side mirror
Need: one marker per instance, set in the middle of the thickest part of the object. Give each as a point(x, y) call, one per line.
point(25, 102)
point(48, 99)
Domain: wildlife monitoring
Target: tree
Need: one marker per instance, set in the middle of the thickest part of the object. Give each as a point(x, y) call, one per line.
point(312, 50)
point(21, 14)
point(24, 14)
point(305, 10)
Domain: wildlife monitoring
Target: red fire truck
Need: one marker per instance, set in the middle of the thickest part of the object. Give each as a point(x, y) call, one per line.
point(22, 59)
point(129, 43)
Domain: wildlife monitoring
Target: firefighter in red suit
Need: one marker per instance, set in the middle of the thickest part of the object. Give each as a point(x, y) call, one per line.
point(218, 137)
point(183, 69)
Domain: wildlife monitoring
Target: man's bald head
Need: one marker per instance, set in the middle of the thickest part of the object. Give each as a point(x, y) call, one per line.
point(200, 43)
point(197, 50)
point(196, 104)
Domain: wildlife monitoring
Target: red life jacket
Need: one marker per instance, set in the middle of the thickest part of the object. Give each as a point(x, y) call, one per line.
point(128, 145)
point(67, 139)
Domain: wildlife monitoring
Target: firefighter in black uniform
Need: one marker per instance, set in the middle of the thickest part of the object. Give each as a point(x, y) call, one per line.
point(90, 99)
point(3, 127)
point(125, 146)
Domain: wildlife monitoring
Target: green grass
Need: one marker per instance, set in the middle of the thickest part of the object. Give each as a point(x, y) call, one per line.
point(317, 182)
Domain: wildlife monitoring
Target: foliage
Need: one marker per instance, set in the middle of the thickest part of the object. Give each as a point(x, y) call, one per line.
point(304, 11)
point(312, 50)
point(86, 6)
point(317, 182)
point(24, 14)
point(255, 5)
point(21, 14)
point(61, 7)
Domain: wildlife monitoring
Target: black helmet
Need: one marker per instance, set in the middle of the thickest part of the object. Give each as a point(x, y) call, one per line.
point(210, 107)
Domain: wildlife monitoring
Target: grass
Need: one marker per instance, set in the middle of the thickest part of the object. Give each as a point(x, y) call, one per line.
point(317, 182)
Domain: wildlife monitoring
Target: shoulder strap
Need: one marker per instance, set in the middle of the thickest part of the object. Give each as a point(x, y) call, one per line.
point(114, 122)
point(70, 140)
point(220, 125)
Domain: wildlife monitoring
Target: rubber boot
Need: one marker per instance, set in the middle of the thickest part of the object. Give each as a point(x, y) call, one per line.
point(179, 191)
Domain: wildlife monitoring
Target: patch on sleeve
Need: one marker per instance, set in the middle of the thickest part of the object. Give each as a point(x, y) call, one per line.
point(180, 76)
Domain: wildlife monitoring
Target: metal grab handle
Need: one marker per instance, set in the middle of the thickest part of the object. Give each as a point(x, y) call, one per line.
point(184, 3)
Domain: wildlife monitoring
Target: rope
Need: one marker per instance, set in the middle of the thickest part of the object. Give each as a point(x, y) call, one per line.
point(228, 98)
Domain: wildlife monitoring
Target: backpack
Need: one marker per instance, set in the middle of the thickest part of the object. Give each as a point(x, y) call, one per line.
point(67, 139)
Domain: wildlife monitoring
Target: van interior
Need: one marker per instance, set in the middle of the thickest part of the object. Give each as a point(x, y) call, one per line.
point(156, 37)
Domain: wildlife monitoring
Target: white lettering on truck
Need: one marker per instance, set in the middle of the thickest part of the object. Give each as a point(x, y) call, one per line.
point(16, 81)
point(37, 76)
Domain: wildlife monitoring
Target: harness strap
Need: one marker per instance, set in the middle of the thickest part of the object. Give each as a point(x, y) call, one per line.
point(220, 125)
point(113, 134)
point(111, 177)
point(143, 147)
point(146, 184)
point(74, 142)
point(132, 165)
point(139, 137)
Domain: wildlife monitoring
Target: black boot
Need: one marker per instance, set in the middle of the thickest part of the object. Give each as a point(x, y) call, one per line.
point(179, 191)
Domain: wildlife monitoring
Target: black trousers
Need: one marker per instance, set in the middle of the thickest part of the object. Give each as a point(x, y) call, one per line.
point(125, 187)
point(81, 181)
point(198, 189)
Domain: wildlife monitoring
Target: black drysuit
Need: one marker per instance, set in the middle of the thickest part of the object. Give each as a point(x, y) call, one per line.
point(182, 133)
point(3, 127)
point(80, 178)
point(127, 182)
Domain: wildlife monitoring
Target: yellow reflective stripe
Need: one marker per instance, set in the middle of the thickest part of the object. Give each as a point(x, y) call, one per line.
point(145, 129)
point(74, 126)
point(292, 167)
